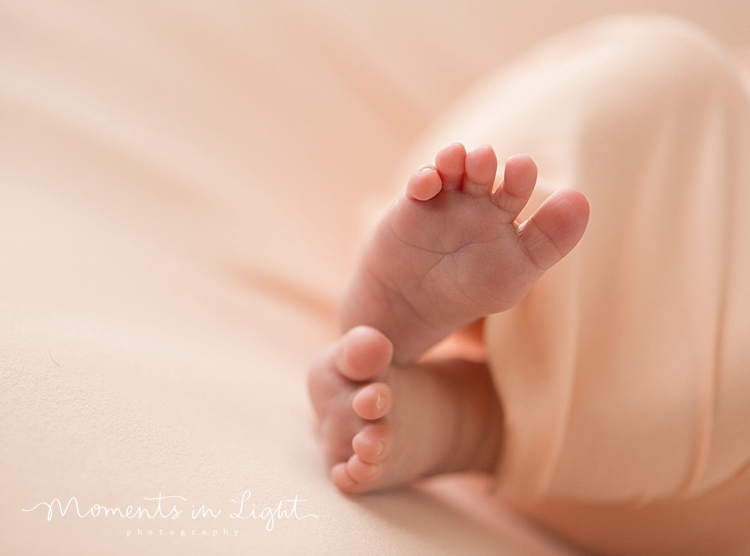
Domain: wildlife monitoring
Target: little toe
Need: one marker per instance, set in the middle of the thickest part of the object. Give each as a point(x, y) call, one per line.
point(373, 443)
point(519, 179)
point(481, 168)
point(373, 401)
point(341, 478)
point(363, 472)
point(363, 353)
point(424, 184)
point(555, 228)
point(450, 163)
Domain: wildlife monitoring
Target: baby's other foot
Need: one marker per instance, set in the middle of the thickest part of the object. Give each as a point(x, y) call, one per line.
point(350, 401)
point(383, 427)
point(450, 251)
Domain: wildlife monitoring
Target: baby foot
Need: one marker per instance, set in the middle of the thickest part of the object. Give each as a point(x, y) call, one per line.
point(383, 429)
point(449, 251)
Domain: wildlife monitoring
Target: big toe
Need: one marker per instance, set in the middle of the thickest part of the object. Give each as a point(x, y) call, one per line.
point(363, 353)
point(556, 227)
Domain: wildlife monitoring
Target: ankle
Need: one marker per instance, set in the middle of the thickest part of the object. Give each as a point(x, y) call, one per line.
point(476, 437)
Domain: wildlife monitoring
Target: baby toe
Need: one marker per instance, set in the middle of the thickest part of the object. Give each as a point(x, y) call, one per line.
point(555, 228)
point(519, 179)
point(341, 478)
point(373, 443)
point(424, 184)
point(481, 168)
point(450, 163)
point(363, 353)
point(363, 472)
point(373, 401)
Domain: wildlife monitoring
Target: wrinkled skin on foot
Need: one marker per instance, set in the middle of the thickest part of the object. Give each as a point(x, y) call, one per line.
point(450, 251)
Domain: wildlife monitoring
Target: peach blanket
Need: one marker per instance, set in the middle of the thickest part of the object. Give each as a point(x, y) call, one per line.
point(625, 373)
point(183, 187)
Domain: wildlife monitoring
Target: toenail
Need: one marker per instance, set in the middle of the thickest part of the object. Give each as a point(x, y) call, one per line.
point(381, 448)
point(380, 402)
point(374, 469)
